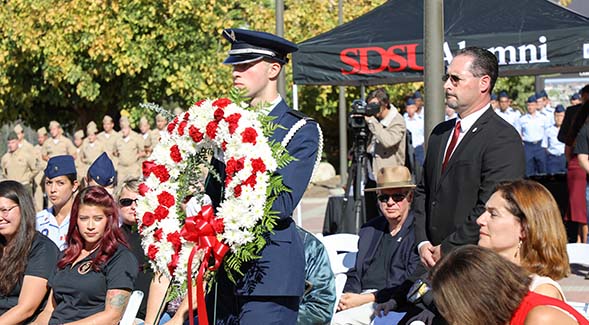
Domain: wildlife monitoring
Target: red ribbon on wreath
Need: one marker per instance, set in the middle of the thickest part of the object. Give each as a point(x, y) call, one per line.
point(200, 230)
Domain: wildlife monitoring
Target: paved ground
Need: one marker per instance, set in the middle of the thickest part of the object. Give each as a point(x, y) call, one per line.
point(313, 206)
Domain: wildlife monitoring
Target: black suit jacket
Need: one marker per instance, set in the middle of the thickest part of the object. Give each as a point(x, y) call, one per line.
point(447, 204)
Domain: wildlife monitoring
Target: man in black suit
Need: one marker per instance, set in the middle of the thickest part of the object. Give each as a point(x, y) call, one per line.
point(466, 157)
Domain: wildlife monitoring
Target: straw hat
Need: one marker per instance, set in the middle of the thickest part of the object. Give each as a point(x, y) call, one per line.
point(392, 177)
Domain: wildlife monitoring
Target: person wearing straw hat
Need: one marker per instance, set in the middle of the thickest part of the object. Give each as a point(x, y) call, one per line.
point(386, 249)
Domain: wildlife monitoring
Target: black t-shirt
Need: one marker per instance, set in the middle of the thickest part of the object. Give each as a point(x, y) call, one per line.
point(80, 292)
point(145, 273)
point(582, 145)
point(41, 262)
point(376, 274)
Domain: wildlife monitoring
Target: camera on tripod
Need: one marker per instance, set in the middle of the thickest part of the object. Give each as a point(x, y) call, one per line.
point(360, 109)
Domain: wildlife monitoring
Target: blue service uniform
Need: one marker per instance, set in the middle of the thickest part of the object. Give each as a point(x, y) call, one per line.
point(272, 286)
point(510, 115)
point(555, 160)
point(278, 277)
point(532, 129)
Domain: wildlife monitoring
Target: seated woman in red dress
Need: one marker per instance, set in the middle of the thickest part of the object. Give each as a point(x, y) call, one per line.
point(474, 285)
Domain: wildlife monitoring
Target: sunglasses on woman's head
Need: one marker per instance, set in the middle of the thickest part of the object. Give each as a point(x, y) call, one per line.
point(127, 202)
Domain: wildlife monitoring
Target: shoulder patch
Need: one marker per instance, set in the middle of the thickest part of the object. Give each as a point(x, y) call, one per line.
point(299, 115)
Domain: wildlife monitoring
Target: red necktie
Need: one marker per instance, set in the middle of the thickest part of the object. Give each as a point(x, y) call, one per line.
point(452, 144)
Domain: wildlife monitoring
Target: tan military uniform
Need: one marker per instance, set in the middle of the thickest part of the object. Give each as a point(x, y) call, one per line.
point(128, 150)
point(91, 151)
point(109, 141)
point(26, 146)
point(20, 166)
point(60, 146)
point(149, 142)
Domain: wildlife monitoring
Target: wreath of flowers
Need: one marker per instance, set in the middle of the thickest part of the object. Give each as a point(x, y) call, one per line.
point(237, 134)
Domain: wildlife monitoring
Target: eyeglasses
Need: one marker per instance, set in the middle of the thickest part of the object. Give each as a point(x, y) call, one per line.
point(454, 79)
point(5, 211)
point(126, 202)
point(397, 197)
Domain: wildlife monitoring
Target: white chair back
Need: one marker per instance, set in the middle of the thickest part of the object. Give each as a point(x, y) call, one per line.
point(132, 308)
point(578, 253)
point(341, 242)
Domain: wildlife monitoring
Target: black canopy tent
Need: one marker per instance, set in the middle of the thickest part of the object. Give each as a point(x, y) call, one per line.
point(386, 44)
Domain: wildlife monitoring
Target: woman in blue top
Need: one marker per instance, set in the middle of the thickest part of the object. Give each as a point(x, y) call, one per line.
point(27, 258)
point(95, 274)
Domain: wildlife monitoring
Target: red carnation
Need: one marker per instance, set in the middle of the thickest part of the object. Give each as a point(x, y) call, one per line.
point(222, 102)
point(161, 212)
point(171, 127)
point(251, 181)
point(143, 189)
point(228, 179)
point(174, 238)
point(258, 165)
point(237, 191)
point(148, 219)
point(224, 145)
point(175, 154)
point(161, 172)
point(212, 129)
point(195, 134)
point(219, 225)
point(232, 120)
point(249, 135)
point(152, 252)
point(158, 234)
point(199, 102)
point(173, 263)
point(166, 199)
point(218, 114)
point(181, 127)
point(186, 116)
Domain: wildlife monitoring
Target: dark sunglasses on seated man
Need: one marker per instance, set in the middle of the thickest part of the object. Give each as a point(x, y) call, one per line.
point(126, 202)
point(397, 197)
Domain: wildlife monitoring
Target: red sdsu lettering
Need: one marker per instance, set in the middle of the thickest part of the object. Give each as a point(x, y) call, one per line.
point(396, 58)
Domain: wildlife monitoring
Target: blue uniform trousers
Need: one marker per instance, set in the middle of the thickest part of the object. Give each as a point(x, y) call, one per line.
point(535, 158)
point(556, 164)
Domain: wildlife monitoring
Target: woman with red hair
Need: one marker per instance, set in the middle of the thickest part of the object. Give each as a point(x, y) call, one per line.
point(95, 275)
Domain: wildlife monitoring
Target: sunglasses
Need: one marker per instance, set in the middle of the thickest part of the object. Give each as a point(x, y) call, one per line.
point(126, 202)
point(397, 197)
point(454, 79)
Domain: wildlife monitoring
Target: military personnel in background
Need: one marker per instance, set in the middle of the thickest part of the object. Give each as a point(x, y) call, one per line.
point(544, 106)
point(161, 122)
point(58, 144)
point(18, 164)
point(22, 142)
point(505, 110)
point(91, 148)
point(149, 137)
point(108, 137)
point(576, 99)
point(129, 149)
point(38, 185)
point(81, 167)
